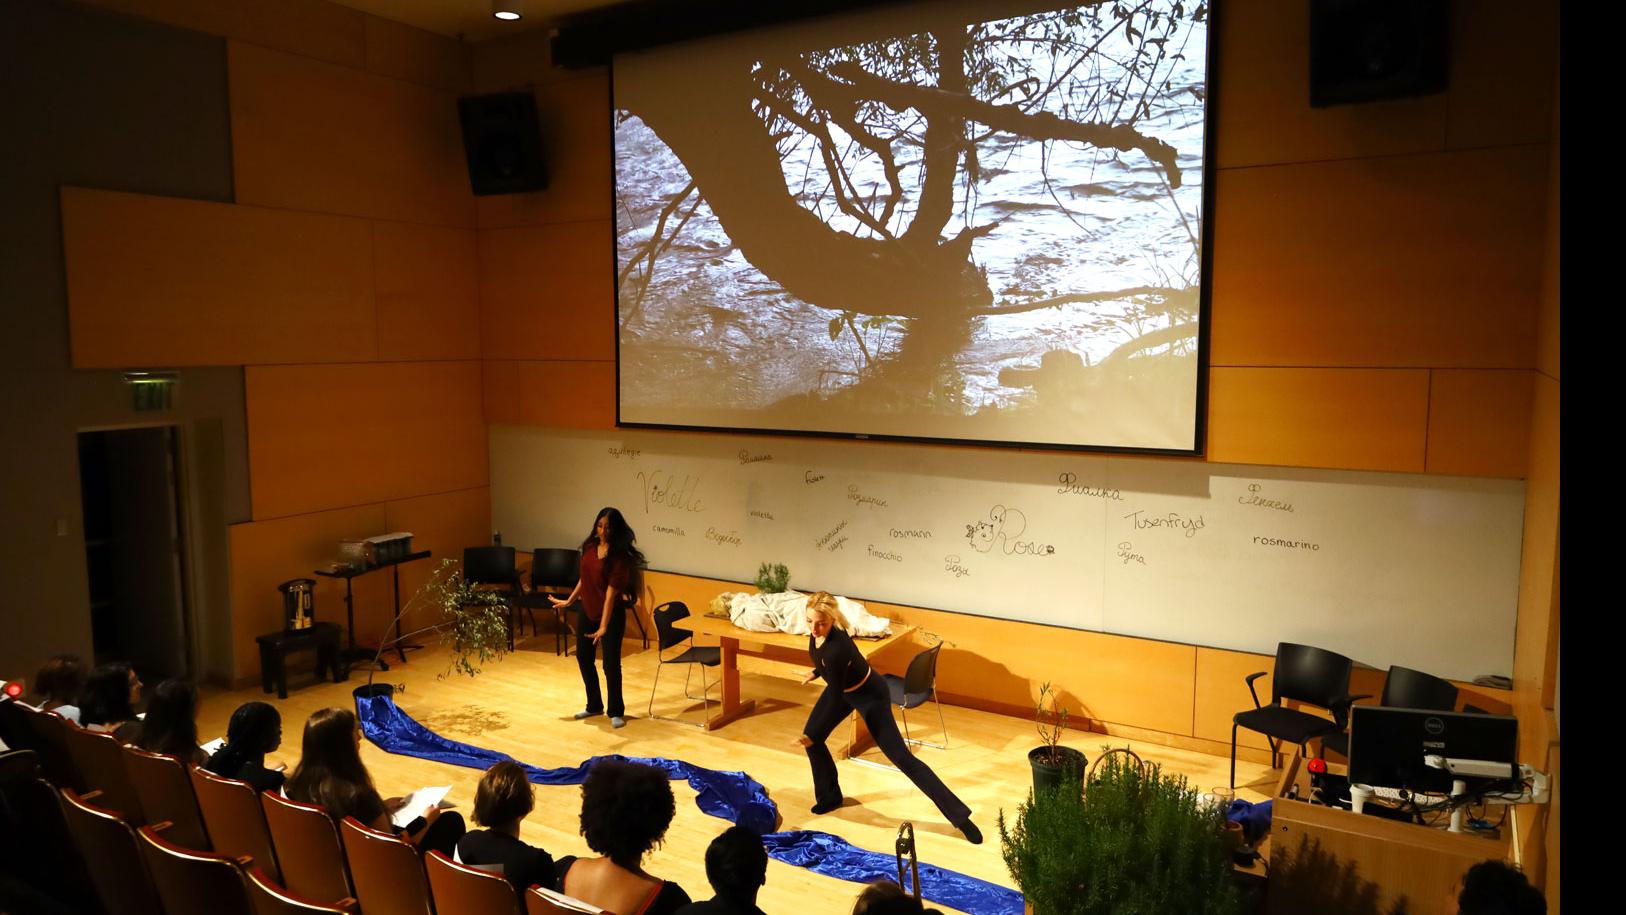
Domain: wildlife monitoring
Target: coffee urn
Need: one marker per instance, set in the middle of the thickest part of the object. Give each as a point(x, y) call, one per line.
point(298, 603)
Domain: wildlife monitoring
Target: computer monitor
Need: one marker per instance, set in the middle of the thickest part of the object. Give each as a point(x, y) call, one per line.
point(1387, 745)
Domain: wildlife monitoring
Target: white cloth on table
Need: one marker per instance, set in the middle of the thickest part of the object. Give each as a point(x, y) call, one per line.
point(787, 612)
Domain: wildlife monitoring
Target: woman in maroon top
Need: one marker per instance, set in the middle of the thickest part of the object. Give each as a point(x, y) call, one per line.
point(608, 587)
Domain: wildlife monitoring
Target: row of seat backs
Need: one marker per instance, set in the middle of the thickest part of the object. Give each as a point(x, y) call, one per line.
point(1305, 673)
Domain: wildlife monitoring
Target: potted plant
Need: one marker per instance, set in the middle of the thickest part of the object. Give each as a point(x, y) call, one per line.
point(1051, 760)
point(472, 621)
point(773, 578)
point(1125, 841)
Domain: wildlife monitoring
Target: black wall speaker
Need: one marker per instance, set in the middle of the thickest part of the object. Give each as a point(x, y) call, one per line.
point(1370, 50)
point(503, 141)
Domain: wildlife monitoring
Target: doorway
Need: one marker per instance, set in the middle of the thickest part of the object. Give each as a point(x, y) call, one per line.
point(135, 550)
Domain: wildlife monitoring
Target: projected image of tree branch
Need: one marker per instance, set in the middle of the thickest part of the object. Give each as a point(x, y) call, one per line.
point(919, 222)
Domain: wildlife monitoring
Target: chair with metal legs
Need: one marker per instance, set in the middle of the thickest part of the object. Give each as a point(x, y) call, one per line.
point(912, 690)
point(666, 616)
point(1304, 674)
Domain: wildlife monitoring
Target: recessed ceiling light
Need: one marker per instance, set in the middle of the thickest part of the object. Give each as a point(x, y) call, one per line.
point(507, 10)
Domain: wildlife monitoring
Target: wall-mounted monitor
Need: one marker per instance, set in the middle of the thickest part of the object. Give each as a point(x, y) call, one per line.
point(943, 221)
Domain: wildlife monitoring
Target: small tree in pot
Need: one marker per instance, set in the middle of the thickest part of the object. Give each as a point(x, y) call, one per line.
point(1051, 760)
point(1128, 841)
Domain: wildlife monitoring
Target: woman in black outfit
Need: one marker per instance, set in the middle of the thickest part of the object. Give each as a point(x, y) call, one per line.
point(503, 799)
point(849, 684)
point(608, 588)
point(331, 775)
point(108, 701)
point(255, 730)
point(171, 725)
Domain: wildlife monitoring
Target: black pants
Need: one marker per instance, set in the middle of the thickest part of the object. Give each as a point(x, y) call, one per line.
point(444, 834)
point(872, 702)
point(611, 643)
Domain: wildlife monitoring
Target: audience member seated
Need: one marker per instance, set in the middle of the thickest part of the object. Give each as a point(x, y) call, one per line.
point(109, 699)
point(57, 686)
point(887, 898)
point(171, 725)
point(1495, 888)
point(626, 808)
point(255, 730)
point(504, 798)
point(737, 866)
point(331, 774)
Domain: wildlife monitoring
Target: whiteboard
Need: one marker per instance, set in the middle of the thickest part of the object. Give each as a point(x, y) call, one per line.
point(1386, 568)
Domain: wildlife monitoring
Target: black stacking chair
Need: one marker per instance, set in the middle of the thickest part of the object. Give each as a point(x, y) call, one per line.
point(1403, 688)
point(494, 566)
point(553, 572)
point(1305, 674)
point(666, 617)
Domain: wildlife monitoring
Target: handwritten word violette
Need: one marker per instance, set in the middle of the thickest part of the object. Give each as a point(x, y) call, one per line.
point(951, 565)
point(1126, 552)
point(1003, 530)
point(1171, 521)
point(747, 457)
point(829, 535)
point(674, 531)
point(1254, 498)
point(858, 498)
point(630, 454)
point(1070, 486)
point(809, 477)
point(670, 491)
point(766, 516)
point(882, 554)
point(722, 538)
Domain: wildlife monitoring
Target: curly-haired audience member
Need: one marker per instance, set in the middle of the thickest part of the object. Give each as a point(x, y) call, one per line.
point(737, 866)
point(505, 796)
point(331, 774)
point(1494, 888)
point(255, 730)
point(626, 808)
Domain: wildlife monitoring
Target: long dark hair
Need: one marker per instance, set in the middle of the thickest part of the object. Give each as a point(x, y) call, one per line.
point(255, 730)
point(106, 696)
point(171, 725)
point(60, 681)
point(619, 534)
point(330, 770)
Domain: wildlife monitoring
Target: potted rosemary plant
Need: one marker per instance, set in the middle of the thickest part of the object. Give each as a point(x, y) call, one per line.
point(1125, 841)
point(1050, 760)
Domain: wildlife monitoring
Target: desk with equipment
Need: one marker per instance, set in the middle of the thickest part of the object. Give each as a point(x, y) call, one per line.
point(1413, 836)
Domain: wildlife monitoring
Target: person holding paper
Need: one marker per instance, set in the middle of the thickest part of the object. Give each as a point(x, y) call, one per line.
point(331, 775)
point(607, 587)
point(850, 685)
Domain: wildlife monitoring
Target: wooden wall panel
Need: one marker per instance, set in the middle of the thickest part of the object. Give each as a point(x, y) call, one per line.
point(1491, 102)
point(1359, 419)
point(1479, 422)
point(313, 136)
point(1536, 630)
point(443, 523)
point(417, 56)
point(570, 395)
point(1263, 98)
point(428, 291)
point(166, 281)
point(576, 138)
point(266, 553)
point(526, 59)
point(1427, 261)
point(546, 292)
point(1221, 691)
point(322, 437)
point(312, 28)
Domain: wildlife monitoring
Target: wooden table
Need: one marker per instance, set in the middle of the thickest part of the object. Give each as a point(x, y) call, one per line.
point(774, 646)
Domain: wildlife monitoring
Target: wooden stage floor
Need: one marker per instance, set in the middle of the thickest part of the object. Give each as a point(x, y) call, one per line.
point(522, 707)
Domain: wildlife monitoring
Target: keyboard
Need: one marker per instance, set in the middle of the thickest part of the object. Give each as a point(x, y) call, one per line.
point(1400, 796)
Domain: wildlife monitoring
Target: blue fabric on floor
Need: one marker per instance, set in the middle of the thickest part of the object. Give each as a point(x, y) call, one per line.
point(731, 796)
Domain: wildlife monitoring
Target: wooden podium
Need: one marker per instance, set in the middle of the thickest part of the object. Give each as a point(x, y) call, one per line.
point(1328, 859)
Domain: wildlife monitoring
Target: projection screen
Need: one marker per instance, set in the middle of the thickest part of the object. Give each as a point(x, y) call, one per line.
point(945, 221)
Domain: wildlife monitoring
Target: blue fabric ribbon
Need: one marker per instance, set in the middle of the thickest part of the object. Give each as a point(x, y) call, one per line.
point(731, 796)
